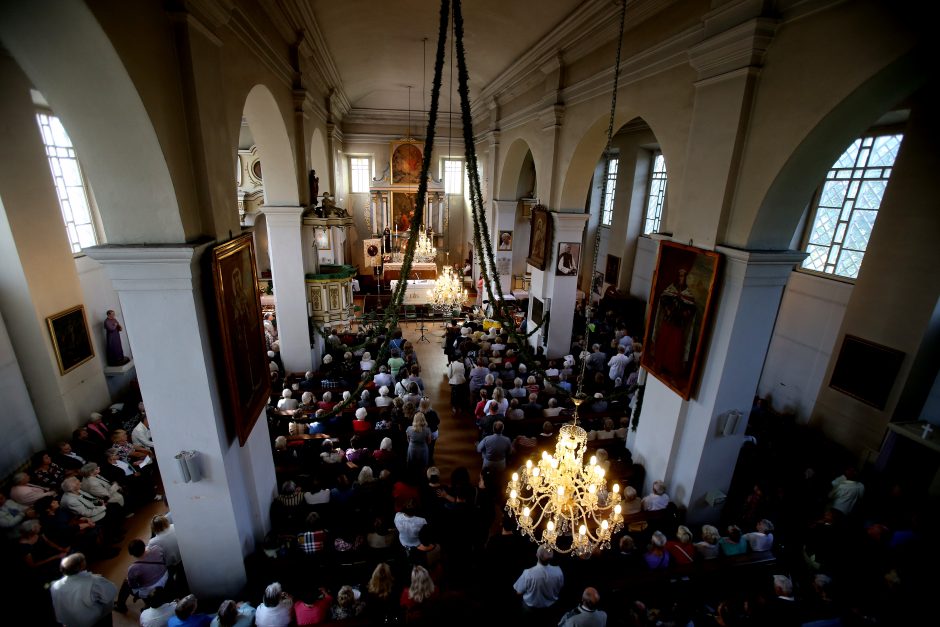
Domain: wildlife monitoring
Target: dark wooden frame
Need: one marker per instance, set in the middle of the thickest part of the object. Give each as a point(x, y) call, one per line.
point(612, 269)
point(866, 371)
point(693, 302)
point(244, 373)
point(539, 258)
point(70, 338)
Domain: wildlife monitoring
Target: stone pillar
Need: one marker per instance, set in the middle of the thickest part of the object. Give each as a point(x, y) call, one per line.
point(686, 443)
point(290, 296)
point(562, 290)
point(221, 518)
point(504, 214)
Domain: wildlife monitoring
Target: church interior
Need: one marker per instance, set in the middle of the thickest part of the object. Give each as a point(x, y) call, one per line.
point(657, 215)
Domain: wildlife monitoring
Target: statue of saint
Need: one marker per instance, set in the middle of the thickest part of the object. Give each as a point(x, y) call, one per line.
point(387, 239)
point(314, 182)
point(114, 350)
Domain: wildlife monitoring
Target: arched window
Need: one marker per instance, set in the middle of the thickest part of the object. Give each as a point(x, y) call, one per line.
point(70, 186)
point(610, 190)
point(846, 205)
point(656, 195)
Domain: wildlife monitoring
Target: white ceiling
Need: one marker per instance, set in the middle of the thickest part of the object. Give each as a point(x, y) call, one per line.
point(378, 50)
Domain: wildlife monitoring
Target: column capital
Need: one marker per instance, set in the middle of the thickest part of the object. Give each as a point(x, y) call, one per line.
point(755, 268)
point(283, 215)
point(742, 46)
point(151, 267)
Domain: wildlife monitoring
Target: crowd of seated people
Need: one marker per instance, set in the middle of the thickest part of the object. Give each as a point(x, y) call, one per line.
point(74, 496)
point(377, 501)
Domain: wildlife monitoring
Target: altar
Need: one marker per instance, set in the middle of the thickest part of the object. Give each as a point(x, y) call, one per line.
point(417, 292)
point(392, 271)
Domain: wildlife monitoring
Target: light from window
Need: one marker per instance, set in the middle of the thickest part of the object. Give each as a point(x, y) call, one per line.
point(847, 205)
point(453, 176)
point(360, 171)
point(654, 205)
point(610, 192)
point(67, 176)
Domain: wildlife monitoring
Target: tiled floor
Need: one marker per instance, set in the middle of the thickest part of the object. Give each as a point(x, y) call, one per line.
point(455, 447)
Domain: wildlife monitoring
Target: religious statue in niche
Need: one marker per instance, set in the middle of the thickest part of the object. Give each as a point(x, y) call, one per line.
point(113, 347)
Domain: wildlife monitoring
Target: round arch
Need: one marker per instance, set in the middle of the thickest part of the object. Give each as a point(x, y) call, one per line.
point(65, 53)
point(512, 169)
point(590, 147)
point(782, 207)
point(270, 133)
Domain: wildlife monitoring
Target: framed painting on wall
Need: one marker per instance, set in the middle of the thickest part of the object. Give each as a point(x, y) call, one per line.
point(70, 338)
point(322, 236)
point(541, 240)
point(680, 304)
point(569, 257)
point(403, 210)
point(612, 269)
point(505, 240)
point(405, 162)
point(243, 365)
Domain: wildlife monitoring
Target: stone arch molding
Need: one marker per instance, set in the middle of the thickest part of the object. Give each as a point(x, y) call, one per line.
point(65, 53)
point(277, 163)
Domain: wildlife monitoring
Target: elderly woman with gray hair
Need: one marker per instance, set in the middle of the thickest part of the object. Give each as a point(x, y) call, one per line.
point(96, 485)
point(276, 609)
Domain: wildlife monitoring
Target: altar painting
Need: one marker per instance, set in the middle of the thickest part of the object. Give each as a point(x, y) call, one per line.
point(403, 210)
point(406, 164)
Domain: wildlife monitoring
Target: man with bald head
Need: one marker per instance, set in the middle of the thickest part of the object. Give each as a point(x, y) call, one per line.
point(81, 598)
point(586, 614)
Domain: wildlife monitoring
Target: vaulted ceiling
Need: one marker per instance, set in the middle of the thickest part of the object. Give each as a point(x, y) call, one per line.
point(378, 49)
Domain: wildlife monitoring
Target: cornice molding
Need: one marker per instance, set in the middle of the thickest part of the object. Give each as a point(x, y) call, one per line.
point(738, 47)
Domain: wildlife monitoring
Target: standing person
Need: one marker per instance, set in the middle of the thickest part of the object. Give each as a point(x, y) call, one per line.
point(846, 492)
point(113, 349)
point(81, 598)
point(495, 449)
point(457, 378)
point(540, 585)
point(419, 441)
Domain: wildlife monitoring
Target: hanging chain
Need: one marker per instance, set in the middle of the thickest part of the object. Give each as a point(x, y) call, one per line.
point(588, 310)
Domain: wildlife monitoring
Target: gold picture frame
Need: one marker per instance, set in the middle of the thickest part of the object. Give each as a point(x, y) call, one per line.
point(70, 338)
point(681, 295)
point(541, 241)
point(405, 161)
point(243, 365)
point(404, 208)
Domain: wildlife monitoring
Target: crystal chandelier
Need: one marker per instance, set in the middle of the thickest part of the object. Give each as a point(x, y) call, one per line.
point(569, 497)
point(448, 293)
point(425, 252)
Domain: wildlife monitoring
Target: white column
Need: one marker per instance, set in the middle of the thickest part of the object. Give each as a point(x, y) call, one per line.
point(290, 294)
point(221, 518)
point(504, 219)
point(563, 290)
point(684, 442)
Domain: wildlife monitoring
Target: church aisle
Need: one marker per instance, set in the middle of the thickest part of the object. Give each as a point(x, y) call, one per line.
point(456, 445)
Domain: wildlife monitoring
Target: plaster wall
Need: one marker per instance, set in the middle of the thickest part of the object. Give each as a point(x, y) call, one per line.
point(804, 337)
point(21, 427)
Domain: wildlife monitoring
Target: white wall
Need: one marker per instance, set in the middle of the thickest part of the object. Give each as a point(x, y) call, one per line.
point(644, 265)
point(801, 346)
point(99, 298)
point(22, 435)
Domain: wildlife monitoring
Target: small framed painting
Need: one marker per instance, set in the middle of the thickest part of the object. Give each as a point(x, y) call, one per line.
point(70, 338)
point(322, 237)
point(539, 245)
point(569, 257)
point(505, 240)
point(612, 269)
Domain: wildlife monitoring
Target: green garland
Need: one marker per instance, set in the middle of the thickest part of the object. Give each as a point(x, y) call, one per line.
point(390, 318)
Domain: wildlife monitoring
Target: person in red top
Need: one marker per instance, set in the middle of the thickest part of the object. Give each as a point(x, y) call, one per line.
point(316, 612)
point(681, 550)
